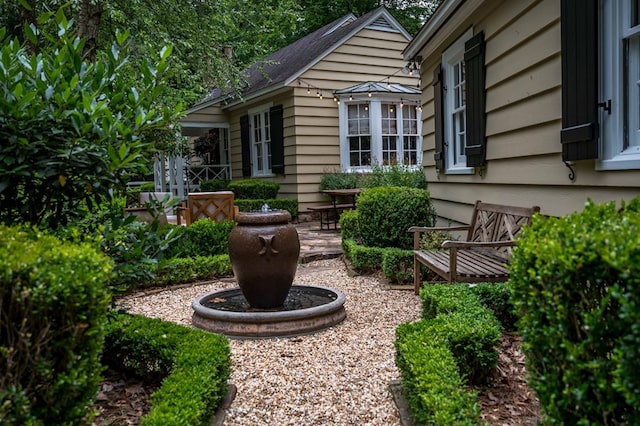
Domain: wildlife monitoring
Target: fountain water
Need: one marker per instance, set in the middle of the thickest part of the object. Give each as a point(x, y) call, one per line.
point(264, 249)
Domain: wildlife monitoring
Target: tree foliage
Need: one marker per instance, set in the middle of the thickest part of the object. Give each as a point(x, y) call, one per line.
point(72, 130)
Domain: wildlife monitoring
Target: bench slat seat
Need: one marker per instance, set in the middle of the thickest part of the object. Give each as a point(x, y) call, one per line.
point(486, 253)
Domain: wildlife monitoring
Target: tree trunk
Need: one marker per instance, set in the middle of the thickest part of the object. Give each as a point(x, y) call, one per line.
point(89, 15)
point(28, 17)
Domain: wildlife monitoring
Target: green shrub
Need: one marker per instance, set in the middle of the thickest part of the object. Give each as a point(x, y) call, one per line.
point(203, 237)
point(339, 180)
point(73, 130)
point(187, 269)
point(458, 316)
point(147, 187)
point(390, 212)
point(288, 204)
point(433, 387)
point(497, 297)
point(254, 189)
point(54, 301)
point(363, 259)
point(196, 363)
point(394, 175)
point(213, 185)
point(576, 286)
point(397, 265)
point(349, 225)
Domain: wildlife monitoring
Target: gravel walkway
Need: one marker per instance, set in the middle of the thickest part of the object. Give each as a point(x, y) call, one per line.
point(338, 376)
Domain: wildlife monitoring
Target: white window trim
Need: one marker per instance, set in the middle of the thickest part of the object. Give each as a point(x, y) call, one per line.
point(264, 108)
point(375, 126)
point(450, 57)
point(614, 21)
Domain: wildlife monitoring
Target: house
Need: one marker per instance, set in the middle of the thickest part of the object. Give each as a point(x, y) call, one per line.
point(530, 102)
point(341, 98)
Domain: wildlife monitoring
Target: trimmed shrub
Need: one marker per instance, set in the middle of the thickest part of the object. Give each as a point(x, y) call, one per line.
point(187, 269)
point(459, 317)
point(364, 259)
point(433, 387)
point(54, 298)
point(288, 204)
point(349, 225)
point(203, 238)
point(213, 185)
point(195, 365)
point(254, 189)
point(397, 265)
point(576, 286)
point(497, 297)
point(390, 212)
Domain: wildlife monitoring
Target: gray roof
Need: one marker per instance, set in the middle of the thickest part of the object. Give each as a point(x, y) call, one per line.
point(287, 64)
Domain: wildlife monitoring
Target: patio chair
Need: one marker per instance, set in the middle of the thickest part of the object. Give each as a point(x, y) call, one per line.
point(217, 206)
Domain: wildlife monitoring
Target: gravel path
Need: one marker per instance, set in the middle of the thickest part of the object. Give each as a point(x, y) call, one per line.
point(338, 376)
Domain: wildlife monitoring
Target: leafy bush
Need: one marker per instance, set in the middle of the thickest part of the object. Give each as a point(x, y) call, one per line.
point(195, 365)
point(339, 180)
point(54, 300)
point(363, 258)
point(288, 204)
point(187, 269)
point(397, 265)
point(390, 212)
point(254, 189)
point(349, 225)
point(497, 297)
point(203, 237)
point(72, 130)
point(433, 386)
point(576, 286)
point(213, 185)
point(394, 175)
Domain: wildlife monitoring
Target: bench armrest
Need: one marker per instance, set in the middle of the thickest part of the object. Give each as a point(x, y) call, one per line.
point(477, 244)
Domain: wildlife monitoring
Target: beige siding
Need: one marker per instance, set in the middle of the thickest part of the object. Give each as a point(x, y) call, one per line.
point(317, 130)
point(524, 117)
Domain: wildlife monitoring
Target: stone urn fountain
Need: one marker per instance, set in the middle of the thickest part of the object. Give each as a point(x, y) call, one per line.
point(264, 249)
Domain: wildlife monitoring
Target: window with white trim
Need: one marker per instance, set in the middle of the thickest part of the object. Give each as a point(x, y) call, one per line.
point(261, 142)
point(620, 85)
point(455, 125)
point(380, 131)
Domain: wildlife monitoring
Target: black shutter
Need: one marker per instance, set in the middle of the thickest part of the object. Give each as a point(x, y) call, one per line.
point(245, 143)
point(277, 139)
point(476, 149)
point(579, 135)
point(438, 100)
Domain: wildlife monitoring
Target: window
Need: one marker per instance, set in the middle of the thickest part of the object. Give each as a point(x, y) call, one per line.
point(359, 135)
point(380, 131)
point(262, 141)
point(459, 106)
point(620, 85)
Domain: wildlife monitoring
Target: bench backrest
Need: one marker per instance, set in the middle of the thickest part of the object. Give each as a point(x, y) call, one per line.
point(497, 222)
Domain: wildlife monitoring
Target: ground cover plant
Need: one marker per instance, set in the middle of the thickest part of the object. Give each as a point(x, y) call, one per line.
point(576, 286)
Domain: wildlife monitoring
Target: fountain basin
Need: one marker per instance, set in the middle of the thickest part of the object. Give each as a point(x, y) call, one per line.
point(307, 309)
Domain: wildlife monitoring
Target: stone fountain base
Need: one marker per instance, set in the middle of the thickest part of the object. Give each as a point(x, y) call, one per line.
point(307, 309)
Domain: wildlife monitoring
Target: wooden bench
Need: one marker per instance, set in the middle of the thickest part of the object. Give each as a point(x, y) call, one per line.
point(484, 255)
point(326, 210)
